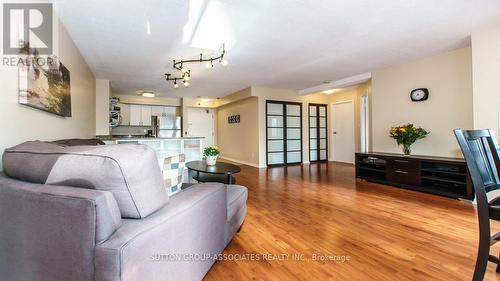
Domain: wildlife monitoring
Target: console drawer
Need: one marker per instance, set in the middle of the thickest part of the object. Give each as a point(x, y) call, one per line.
point(403, 171)
point(403, 165)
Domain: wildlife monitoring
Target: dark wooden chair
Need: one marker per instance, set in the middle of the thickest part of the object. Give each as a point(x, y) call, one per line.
point(480, 150)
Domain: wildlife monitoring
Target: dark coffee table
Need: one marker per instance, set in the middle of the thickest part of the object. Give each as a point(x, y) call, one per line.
point(220, 172)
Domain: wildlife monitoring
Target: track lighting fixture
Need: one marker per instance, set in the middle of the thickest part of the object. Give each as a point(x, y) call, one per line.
point(186, 73)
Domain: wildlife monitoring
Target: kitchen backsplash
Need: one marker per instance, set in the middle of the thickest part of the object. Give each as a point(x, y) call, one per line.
point(129, 130)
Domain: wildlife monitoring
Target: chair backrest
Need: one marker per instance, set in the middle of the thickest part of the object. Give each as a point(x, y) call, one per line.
point(480, 150)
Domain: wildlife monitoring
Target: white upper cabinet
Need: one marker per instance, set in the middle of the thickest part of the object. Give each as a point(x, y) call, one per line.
point(135, 115)
point(157, 110)
point(146, 115)
point(125, 113)
point(140, 115)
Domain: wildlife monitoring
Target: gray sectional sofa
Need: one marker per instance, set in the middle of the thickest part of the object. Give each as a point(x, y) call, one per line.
point(102, 213)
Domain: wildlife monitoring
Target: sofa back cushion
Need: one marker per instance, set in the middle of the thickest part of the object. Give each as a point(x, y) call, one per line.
point(130, 172)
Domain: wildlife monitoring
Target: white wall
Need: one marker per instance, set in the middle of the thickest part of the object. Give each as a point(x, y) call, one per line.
point(486, 79)
point(239, 142)
point(21, 123)
point(449, 79)
point(102, 94)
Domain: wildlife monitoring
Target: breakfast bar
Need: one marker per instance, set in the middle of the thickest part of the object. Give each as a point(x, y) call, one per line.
point(192, 147)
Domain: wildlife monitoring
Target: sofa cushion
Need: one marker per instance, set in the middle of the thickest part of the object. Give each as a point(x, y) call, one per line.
point(130, 172)
point(237, 196)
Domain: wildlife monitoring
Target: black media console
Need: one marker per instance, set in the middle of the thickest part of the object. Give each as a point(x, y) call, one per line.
point(437, 175)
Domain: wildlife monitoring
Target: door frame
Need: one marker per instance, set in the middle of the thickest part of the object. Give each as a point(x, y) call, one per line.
point(284, 103)
point(364, 137)
point(331, 156)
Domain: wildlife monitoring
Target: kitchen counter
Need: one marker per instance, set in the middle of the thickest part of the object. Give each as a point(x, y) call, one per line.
point(192, 147)
point(125, 137)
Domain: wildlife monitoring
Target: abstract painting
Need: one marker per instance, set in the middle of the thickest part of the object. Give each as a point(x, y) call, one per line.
point(45, 84)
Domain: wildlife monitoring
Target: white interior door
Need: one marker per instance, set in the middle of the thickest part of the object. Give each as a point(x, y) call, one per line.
point(343, 141)
point(200, 123)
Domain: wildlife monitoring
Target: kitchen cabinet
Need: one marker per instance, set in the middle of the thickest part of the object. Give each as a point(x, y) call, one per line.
point(157, 110)
point(125, 113)
point(135, 115)
point(140, 115)
point(146, 115)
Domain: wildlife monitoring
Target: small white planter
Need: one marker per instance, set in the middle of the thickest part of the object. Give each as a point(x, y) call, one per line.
point(211, 160)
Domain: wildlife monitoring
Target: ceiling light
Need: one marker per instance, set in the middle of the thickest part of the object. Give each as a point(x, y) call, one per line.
point(328, 92)
point(148, 28)
point(148, 94)
point(176, 85)
point(186, 73)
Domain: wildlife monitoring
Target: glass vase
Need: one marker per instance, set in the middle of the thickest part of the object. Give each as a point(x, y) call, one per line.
point(407, 149)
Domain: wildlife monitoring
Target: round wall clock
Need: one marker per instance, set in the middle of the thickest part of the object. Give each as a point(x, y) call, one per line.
point(420, 94)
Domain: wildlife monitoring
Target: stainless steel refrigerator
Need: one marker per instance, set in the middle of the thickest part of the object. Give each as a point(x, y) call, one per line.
point(169, 126)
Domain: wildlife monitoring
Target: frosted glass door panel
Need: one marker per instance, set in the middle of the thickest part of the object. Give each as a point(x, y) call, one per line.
point(313, 144)
point(275, 158)
point(312, 111)
point(275, 133)
point(322, 111)
point(293, 133)
point(293, 122)
point(322, 155)
point(322, 133)
point(292, 109)
point(275, 146)
point(322, 122)
point(313, 122)
point(322, 144)
point(314, 155)
point(274, 109)
point(275, 121)
point(293, 157)
point(293, 145)
point(313, 133)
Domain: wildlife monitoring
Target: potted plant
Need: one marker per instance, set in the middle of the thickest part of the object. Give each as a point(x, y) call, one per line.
point(211, 153)
point(406, 135)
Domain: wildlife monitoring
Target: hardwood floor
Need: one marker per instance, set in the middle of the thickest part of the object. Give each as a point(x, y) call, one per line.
point(387, 233)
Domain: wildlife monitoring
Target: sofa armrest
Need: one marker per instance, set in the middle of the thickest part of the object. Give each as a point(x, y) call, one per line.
point(50, 232)
point(191, 226)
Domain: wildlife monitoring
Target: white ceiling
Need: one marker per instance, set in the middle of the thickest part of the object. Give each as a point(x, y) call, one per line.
point(289, 44)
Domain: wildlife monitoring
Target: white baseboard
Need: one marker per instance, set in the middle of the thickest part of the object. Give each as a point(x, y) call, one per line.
point(242, 162)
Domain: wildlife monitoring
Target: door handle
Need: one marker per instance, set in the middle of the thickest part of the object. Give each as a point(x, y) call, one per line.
point(401, 161)
point(401, 172)
point(334, 133)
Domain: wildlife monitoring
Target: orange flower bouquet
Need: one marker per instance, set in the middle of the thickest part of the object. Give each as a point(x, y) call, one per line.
point(406, 135)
